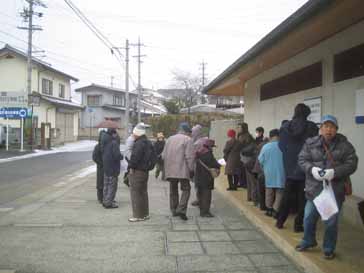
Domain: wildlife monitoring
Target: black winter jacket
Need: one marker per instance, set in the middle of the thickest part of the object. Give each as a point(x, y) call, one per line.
point(111, 155)
point(203, 178)
point(138, 161)
point(159, 146)
point(292, 136)
point(313, 154)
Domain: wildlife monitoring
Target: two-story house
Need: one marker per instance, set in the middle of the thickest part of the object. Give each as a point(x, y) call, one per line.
point(109, 103)
point(55, 118)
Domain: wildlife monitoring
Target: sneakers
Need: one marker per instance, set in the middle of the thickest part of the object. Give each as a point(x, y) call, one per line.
point(269, 212)
point(208, 214)
point(329, 255)
point(195, 203)
point(302, 247)
point(113, 205)
point(182, 216)
point(135, 219)
point(231, 189)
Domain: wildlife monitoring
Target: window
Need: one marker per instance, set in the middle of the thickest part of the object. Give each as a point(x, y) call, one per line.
point(349, 64)
point(119, 100)
point(47, 87)
point(94, 100)
point(61, 90)
point(299, 80)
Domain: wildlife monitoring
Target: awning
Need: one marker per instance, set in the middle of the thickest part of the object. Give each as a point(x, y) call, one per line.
point(62, 103)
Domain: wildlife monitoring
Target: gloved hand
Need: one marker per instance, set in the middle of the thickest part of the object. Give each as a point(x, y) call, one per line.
point(315, 172)
point(329, 175)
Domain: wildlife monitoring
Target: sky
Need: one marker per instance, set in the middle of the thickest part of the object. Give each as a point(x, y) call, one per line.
point(176, 36)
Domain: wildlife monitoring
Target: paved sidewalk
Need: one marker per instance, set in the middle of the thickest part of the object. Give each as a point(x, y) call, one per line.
point(68, 231)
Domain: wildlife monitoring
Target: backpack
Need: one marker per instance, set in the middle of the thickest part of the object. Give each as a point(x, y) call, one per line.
point(96, 155)
point(150, 156)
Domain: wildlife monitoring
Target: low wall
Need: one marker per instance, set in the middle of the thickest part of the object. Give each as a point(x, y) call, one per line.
point(218, 130)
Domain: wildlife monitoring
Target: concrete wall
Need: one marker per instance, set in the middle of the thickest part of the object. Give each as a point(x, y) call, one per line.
point(218, 131)
point(337, 98)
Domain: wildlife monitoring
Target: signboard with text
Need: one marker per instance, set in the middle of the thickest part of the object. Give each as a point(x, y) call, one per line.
point(315, 106)
point(13, 99)
point(13, 112)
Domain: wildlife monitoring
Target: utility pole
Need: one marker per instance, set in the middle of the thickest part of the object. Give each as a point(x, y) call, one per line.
point(27, 15)
point(139, 56)
point(203, 80)
point(203, 64)
point(127, 104)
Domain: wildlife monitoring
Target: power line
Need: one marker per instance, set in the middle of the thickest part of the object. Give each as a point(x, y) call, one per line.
point(90, 25)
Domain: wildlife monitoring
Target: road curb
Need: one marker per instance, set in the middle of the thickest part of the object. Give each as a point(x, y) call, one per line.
point(271, 232)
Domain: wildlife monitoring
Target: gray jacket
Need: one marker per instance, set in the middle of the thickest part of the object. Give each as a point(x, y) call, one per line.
point(179, 157)
point(313, 155)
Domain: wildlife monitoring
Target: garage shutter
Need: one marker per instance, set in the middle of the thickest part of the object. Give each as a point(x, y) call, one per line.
point(64, 122)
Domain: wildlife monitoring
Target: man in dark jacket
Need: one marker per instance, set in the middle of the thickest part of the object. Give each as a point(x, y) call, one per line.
point(159, 146)
point(140, 164)
point(259, 135)
point(97, 158)
point(328, 158)
point(292, 136)
point(111, 157)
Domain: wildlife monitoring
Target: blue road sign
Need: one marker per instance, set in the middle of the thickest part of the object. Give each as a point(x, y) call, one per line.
point(13, 112)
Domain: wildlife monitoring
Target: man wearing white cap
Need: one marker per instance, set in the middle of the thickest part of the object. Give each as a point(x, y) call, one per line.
point(142, 160)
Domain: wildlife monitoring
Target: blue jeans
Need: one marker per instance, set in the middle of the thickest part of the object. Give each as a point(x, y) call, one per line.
point(331, 228)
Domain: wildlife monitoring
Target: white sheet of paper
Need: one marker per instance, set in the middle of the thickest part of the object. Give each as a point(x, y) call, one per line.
point(222, 162)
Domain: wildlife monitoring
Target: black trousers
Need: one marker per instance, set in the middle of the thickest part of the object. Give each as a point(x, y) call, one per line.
point(233, 181)
point(204, 196)
point(296, 188)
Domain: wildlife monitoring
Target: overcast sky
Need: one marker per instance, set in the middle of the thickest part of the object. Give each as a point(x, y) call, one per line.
point(178, 35)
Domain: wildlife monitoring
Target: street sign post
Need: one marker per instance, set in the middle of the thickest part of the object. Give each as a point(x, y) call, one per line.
point(14, 113)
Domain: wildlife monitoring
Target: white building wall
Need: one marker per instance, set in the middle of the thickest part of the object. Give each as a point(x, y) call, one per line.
point(337, 98)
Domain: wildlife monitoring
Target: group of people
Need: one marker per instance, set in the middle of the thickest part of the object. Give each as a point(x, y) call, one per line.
point(183, 157)
point(287, 171)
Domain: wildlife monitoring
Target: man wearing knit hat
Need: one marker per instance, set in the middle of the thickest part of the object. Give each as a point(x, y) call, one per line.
point(142, 160)
point(178, 159)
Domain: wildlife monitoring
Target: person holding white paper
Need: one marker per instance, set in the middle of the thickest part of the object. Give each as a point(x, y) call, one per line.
point(328, 158)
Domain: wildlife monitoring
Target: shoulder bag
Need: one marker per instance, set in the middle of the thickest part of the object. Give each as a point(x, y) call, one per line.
point(213, 171)
point(347, 183)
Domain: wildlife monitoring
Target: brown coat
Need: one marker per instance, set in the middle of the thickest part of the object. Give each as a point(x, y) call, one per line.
point(178, 155)
point(232, 156)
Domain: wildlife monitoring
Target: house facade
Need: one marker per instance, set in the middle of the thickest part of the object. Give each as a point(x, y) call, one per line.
point(316, 57)
point(109, 103)
point(54, 119)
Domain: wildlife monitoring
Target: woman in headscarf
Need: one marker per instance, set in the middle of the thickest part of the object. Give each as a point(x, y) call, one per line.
point(204, 181)
point(232, 158)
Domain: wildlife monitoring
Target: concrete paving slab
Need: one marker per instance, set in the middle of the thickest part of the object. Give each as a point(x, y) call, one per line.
point(278, 269)
point(221, 263)
point(256, 246)
point(211, 226)
point(182, 236)
point(211, 236)
point(220, 248)
point(261, 260)
point(185, 248)
point(244, 235)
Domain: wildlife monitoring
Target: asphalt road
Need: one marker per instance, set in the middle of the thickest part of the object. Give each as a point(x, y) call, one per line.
point(21, 177)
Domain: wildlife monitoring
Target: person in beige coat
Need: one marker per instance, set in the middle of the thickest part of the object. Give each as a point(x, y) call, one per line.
point(178, 156)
